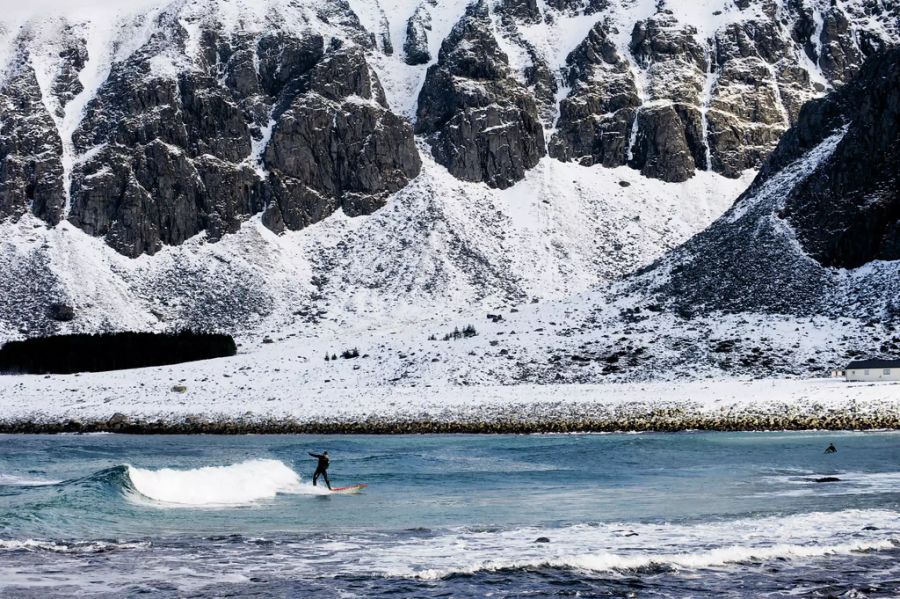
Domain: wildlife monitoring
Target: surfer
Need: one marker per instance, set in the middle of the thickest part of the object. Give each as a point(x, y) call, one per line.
point(321, 468)
point(831, 448)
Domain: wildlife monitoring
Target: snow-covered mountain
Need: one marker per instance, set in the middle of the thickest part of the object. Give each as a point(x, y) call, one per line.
point(318, 167)
point(818, 231)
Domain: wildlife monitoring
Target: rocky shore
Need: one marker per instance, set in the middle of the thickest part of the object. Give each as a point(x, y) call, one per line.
point(514, 419)
point(145, 401)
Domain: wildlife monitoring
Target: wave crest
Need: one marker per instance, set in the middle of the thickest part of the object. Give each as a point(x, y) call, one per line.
point(237, 484)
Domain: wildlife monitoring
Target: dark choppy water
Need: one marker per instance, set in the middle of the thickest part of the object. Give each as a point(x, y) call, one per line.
point(699, 515)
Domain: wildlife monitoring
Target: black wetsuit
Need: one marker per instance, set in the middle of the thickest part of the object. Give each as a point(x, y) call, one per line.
point(321, 469)
point(831, 449)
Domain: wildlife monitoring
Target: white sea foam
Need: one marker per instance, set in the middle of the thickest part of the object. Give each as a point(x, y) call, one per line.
point(719, 557)
point(60, 547)
point(13, 480)
point(723, 547)
point(636, 546)
point(848, 483)
point(237, 484)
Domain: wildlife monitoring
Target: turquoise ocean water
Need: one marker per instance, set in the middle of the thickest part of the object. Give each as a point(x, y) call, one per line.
point(649, 515)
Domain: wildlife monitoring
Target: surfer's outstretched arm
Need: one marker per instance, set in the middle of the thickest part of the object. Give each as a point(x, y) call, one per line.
point(315, 455)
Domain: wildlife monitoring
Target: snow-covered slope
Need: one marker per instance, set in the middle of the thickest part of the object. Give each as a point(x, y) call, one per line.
point(818, 231)
point(439, 246)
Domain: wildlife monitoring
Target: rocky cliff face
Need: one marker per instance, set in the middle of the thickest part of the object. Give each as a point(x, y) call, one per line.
point(848, 213)
point(279, 123)
point(418, 27)
point(597, 117)
point(480, 122)
point(826, 201)
point(669, 99)
point(186, 118)
point(201, 127)
point(31, 171)
point(337, 145)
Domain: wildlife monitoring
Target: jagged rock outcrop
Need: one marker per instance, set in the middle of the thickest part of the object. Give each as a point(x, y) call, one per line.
point(605, 120)
point(31, 169)
point(588, 7)
point(73, 58)
point(750, 105)
point(826, 200)
point(141, 187)
point(841, 56)
point(668, 139)
point(541, 81)
point(718, 103)
point(596, 119)
point(415, 46)
point(848, 213)
point(524, 10)
point(383, 37)
point(536, 74)
point(338, 144)
point(277, 123)
point(480, 122)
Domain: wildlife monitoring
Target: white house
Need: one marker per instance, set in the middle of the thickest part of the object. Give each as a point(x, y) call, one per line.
point(873, 370)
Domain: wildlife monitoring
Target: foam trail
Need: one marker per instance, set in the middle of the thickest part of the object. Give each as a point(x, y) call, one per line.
point(237, 484)
point(11, 480)
point(713, 558)
point(634, 546)
point(85, 547)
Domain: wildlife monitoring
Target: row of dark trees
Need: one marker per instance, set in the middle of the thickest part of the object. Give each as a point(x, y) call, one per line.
point(67, 354)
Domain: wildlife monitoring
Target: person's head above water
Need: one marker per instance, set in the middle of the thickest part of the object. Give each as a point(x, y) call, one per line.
point(324, 453)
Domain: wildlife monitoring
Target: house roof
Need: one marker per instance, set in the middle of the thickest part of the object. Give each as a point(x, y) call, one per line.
point(858, 364)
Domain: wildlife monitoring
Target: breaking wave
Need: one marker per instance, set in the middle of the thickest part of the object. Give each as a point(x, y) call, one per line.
point(713, 558)
point(237, 484)
point(633, 548)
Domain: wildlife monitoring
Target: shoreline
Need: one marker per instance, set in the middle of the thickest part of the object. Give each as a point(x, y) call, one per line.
point(661, 421)
point(94, 404)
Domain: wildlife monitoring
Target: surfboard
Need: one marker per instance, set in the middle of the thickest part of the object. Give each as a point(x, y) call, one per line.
point(350, 490)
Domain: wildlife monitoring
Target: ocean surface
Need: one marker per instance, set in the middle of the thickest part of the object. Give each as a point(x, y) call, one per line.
point(649, 515)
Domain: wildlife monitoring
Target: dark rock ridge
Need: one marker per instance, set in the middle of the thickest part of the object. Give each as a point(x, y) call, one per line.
point(667, 142)
point(337, 145)
point(827, 197)
point(596, 119)
point(720, 103)
point(31, 169)
point(848, 213)
point(174, 156)
point(174, 144)
point(757, 93)
point(524, 10)
point(587, 7)
point(537, 75)
point(415, 47)
point(481, 123)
